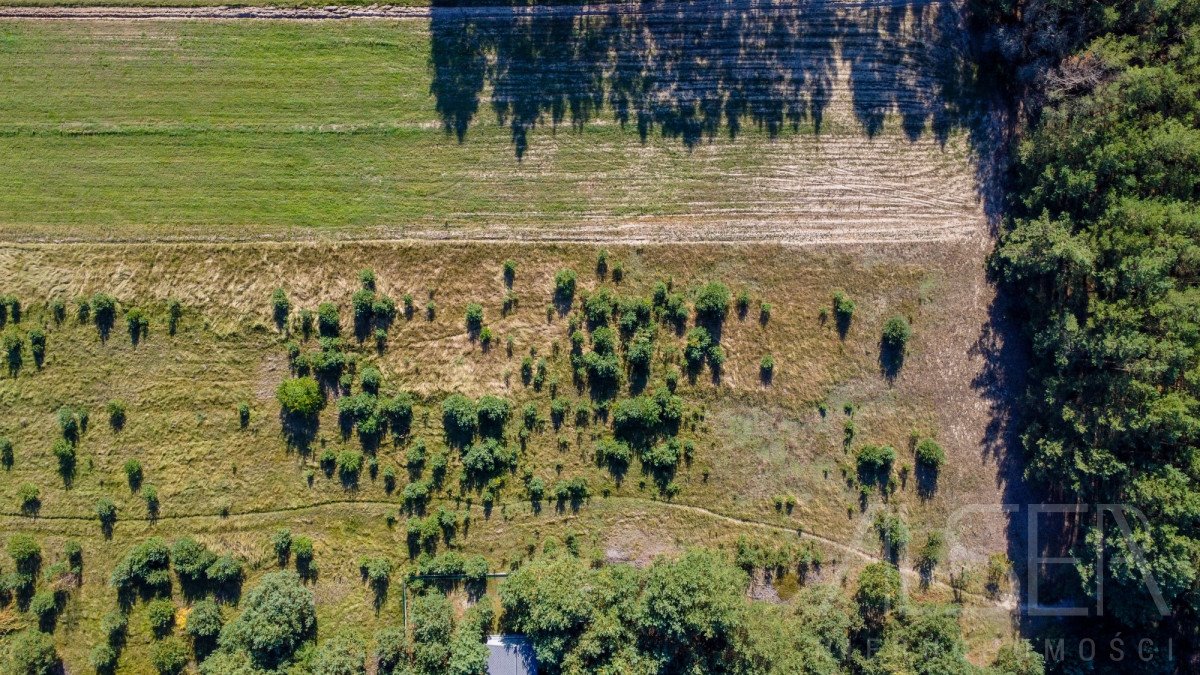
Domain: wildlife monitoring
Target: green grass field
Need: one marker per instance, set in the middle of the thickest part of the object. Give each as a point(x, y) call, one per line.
point(171, 129)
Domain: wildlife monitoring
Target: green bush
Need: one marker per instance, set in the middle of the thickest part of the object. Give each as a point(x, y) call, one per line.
point(280, 307)
point(603, 370)
point(574, 490)
point(64, 452)
point(636, 418)
point(243, 411)
point(843, 307)
point(362, 304)
point(277, 619)
point(72, 421)
point(150, 495)
point(160, 615)
point(598, 307)
point(106, 513)
point(493, 412)
point(459, 417)
point(559, 408)
point(716, 356)
point(474, 318)
point(302, 549)
point(104, 310)
point(878, 592)
point(116, 414)
point(932, 553)
point(764, 312)
point(529, 415)
point(29, 496)
point(391, 651)
point(226, 571)
point(712, 301)
point(306, 323)
point(12, 343)
point(329, 323)
point(896, 333)
point(766, 367)
point(613, 454)
point(415, 456)
point(133, 473)
point(640, 352)
point(876, 457)
point(191, 560)
point(328, 461)
point(510, 271)
point(604, 341)
point(366, 277)
point(6, 453)
point(174, 313)
point(281, 542)
point(634, 314)
point(144, 567)
point(138, 324)
point(485, 458)
point(344, 654)
point(169, 657)
point(300, 396)
point(930, 455)
point(204, 622)
point(527, 370)
point(398, 411)
point(675, 310)
point(564, 286)
point(44, 608)
point(539, 374)
point(32, 653)
point(349, 464)
point(371, 379)
point(113, 626)
point(73, 552)
point(37, 345)
point(103, 659)
point(58, 310)
point(384, 309)
point(662, 457)
point(893, 533)
point(699, 342)
point(537, 489)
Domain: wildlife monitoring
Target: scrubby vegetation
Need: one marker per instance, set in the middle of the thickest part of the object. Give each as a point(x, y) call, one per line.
point(602, 413)
point(1099, 256)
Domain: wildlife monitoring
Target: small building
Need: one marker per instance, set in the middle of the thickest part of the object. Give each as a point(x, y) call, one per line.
point(510, 655)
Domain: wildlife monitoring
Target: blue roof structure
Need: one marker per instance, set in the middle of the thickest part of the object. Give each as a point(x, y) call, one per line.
point(510, 655)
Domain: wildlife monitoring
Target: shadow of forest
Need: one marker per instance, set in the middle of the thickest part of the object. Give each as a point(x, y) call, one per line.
point(697, 70)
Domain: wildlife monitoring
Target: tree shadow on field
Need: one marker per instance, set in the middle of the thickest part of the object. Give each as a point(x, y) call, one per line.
point(696, 70)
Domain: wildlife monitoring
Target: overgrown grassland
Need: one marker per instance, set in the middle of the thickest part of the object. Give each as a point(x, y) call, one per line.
point(233, 486)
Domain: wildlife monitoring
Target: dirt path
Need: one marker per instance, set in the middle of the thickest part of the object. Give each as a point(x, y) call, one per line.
point(907, 571)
